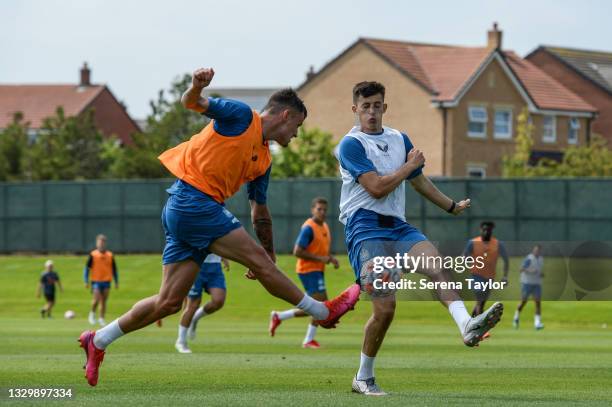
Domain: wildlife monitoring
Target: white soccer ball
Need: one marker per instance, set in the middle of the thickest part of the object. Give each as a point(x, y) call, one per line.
point(69, 314)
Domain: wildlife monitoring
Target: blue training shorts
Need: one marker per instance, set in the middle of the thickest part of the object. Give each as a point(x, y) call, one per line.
point(534, 290)
point(370, 235)
point(210, 276)
point(100, 285)
point(192, 220)
point(313, 282)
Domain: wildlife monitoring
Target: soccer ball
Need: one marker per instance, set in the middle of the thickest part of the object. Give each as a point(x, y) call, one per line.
point(69, 314)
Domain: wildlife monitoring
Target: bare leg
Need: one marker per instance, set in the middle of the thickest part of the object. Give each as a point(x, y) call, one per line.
point(427, 249)
point(103, 299)
point(383, 310)
point(95, 300)
point(521, 305)
point(190, 309)
point(217, 300)
point(538, 307)
point(176, 282)
point(240, 247)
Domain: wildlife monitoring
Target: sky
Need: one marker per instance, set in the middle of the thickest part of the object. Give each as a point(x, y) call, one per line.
point(138, 47)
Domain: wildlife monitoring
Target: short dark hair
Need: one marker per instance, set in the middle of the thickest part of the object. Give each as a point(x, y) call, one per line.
point(367, 89)
point(286, 98)
point(489, 223)
point(318, 200)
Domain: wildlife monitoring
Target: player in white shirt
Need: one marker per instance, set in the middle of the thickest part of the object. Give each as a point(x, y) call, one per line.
point(374, 163)
point(531, 285)
point(211, 280)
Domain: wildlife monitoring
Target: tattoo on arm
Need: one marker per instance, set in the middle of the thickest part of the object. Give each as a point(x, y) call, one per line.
point(263, 230)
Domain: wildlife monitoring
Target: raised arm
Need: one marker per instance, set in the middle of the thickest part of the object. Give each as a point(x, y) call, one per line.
point(192, 98)
point(425, 187)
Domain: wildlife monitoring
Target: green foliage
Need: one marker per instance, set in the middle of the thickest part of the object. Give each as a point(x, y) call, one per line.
point(13, 149)
point(67, 148)
point(168, 125)
point(593, 160)
point(310, 155)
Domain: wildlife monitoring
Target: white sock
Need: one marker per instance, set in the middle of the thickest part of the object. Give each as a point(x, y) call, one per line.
point(516, 314)
point(283, 315)
point(198, 314)
point(107, 335)
point(182, 334)
point(366, 367)
point(310, 333)
point(537, 319)
point(314, 308)
point(459, 314)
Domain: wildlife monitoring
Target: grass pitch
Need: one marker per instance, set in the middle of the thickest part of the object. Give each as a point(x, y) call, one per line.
point(423, 361)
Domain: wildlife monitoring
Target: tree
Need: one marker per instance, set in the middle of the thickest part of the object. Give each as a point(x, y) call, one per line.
point(67, 148)
point(168, 125)
point(592, 160)
point(13, 149)
point(310, 155)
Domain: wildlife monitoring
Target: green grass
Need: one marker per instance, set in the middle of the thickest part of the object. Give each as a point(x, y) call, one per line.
point(423, 361)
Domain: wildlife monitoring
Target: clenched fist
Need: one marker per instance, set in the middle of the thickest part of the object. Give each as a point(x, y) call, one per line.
point(416, 158)
point(202, 77)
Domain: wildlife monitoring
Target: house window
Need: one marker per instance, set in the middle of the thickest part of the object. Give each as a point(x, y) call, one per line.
point(503, 124)
point(477, 126)
point(476, 170)
point(550, 129)
point(572, 132)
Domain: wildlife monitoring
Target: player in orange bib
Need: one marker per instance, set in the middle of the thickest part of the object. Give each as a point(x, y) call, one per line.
point(102, 270)
point(312, 248)
point(230, 151)
point(489, 249)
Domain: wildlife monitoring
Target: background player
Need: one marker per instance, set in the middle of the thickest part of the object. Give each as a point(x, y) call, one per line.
point(531, 285)
point(48, 280)
point(374, 163)
point(312, 248)
point(231, 150)
point(101, 264)
point(211, 280)
point(489, 248)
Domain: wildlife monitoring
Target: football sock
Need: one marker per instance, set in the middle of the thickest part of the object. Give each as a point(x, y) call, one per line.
point(310, 333)
point(537, 320)
point(366, 367)
point(312, 307)
point(198, 314)
point(516, 314)
point(459, 314)
point(108, 335)
point(283, 315)
point(182, 334)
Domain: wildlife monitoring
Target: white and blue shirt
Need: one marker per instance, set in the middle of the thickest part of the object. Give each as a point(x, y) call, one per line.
point(359, 153)
point(533, 269)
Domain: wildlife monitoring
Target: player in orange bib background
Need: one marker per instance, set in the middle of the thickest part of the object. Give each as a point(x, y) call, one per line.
point(313, 250)
point(230, 151)
point(102, 270)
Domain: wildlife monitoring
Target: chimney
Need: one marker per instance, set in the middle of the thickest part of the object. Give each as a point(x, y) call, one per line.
point(310, 73)
point(85, 75)
point(494, 38)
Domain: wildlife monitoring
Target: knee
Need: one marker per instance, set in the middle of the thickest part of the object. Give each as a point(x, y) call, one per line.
point(385, 314)
point(169, 306)
point(216, 304)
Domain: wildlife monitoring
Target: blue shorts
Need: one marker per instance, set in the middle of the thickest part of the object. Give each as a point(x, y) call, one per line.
point(210, 276)
point(481, 294)
point(100, 285)
point(193, 220)
point(369, 235)
point(313, 282)
point(534, 290)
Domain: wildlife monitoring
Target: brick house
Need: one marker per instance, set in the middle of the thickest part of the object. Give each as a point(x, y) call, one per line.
point(458, 104)
point(39, 101)
point(586, 73)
